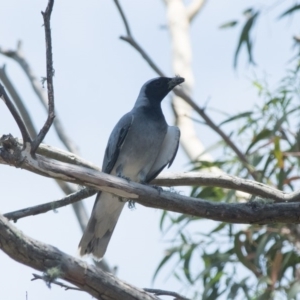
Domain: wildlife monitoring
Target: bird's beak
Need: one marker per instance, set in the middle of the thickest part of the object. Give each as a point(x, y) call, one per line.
point(175, 81)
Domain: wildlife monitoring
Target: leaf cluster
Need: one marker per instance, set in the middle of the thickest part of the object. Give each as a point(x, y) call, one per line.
point(236, 261)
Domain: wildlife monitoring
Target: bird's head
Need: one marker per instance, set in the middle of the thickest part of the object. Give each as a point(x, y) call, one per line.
point(157, 89)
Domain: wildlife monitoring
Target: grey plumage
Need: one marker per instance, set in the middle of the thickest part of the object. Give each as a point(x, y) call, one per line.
point(139, 147)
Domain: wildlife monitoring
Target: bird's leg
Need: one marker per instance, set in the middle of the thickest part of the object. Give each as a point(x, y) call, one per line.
point(131, 204)
point(124, 177)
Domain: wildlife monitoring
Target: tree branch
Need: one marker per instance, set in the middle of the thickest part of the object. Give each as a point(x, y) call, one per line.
point(43, 257)
point(253, 212)
point(129, 39)
point(193, 8)
point(18, 102)
point(179, 179)
point(15, 114)
point(18, 57)
point(221, 180)
point(226, 181)
point(53, 205)
point(78, 207)
point(50, 73)
point(64, 156)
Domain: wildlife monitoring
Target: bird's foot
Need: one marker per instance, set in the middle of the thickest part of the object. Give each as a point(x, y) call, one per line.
point(124, 177)
point(158, 188)
point(131, 204)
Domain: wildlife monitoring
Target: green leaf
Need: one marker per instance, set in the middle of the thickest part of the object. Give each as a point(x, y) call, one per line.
point(289, 11)
point(211, 193)
point(218, 228)
point(204, 164)
point(162, 219)
point(164, 261)
point(248, 12)
point(277, 152)
point(229, 24)
point(245, 36)
point(258, 86)
point(186, 264)
point(263, 134)
point(238, 245)
point(294, 291)
point(239, 116)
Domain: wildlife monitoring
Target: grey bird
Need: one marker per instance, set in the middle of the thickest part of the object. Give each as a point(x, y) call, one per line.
point(139, 147)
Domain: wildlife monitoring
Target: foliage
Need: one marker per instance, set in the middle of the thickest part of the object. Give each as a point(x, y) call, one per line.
point(249, 18)
point(239, 261)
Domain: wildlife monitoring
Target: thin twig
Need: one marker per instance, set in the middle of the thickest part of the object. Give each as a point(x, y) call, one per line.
point(43, 208)
point(193, 8)
point(157, 292)
point(50, 73)
point(129, 38)
point(123, 17)
point(18, 102)
point(48, 282)
point(132, 42)
point(15, 114)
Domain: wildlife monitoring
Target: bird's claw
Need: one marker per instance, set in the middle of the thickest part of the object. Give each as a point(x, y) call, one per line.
point(123, 177)
point(131, 204)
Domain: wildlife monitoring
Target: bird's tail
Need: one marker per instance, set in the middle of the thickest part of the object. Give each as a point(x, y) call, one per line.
point(104, 217)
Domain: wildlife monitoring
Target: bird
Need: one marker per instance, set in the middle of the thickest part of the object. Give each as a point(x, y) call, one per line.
point(140, 146)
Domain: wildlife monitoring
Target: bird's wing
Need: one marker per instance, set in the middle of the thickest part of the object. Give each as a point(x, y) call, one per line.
point(115, 142)
point(167, 152)
point(106, 210)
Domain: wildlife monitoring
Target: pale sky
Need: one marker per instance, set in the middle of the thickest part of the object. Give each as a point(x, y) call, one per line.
point(97, 79)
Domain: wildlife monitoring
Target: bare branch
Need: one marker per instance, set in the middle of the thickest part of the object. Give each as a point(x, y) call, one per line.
point(64, 156)
point(123, 17)
point(78, 207)
point(49, 282)
point(18, 56)
point(129, 39)
point(43, 257)
point(223, 180)
point(147, 58)
point(187, 98)
point(15, 114)
point(50, 73)
point(258, 212)
point(193, 8)
point(18, 102)
point(164, 179)
point(165, 293)
point(53, 205)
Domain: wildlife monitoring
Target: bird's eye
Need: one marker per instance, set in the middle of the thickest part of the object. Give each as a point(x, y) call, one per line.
point(157, 83)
